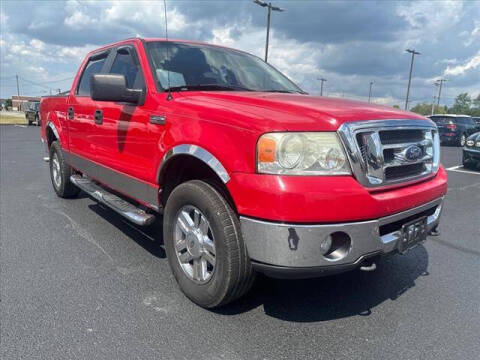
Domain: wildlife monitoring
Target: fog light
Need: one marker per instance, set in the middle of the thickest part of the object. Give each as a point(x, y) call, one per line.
point(326, 244)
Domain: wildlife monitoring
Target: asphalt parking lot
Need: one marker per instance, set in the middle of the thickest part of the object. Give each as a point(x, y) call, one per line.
point(78, 282)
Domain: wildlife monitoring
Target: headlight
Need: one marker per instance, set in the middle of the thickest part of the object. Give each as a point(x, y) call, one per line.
point(309, 153)
point(433, 150)
point(477, 144)
point(470, 142)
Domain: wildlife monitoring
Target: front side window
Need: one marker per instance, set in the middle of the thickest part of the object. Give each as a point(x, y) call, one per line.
point(204, 67)
point(125, 64)
point(94, 66)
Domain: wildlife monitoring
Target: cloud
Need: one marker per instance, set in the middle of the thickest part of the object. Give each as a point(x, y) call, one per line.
point(349, 43)
point(472, 64)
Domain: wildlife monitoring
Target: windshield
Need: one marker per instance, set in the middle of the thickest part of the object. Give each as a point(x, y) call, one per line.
point(204, 67)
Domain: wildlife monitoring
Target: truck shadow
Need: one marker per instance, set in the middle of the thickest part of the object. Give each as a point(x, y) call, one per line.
point(354, 293)
point(149, 237)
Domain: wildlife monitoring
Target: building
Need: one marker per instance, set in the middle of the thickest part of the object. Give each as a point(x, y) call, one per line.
point(20, 103)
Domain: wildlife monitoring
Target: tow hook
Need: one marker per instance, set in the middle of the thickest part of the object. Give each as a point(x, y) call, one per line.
point(368, 266)
point(434, 231)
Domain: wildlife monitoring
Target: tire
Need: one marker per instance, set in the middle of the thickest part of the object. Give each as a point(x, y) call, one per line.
point(60, 173)
point(232, 274)
point(462, 140)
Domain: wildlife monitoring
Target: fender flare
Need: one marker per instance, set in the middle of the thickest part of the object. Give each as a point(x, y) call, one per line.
point(51, 125)
point(197, 152)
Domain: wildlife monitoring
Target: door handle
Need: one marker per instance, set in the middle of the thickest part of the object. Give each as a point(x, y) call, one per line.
point(70, 113)
point(98, 117)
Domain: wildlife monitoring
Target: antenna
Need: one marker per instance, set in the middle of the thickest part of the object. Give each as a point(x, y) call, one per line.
point(169, 96)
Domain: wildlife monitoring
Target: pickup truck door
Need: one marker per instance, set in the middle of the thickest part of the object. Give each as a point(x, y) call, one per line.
point(80, 114)
point(124, 142)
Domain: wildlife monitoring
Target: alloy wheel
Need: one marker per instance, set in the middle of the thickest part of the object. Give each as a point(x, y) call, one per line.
point(194, 244)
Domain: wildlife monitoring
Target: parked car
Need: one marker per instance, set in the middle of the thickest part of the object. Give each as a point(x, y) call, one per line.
point(32, 113)
point(454, 129)
point(250, 173)
point(471, 151)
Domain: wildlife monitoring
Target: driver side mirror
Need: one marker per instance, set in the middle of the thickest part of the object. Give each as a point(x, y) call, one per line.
point(113, 87)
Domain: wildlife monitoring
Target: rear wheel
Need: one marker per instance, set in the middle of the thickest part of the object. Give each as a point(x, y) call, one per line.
point(204, 245)
point(60, 173)
point(463, 140)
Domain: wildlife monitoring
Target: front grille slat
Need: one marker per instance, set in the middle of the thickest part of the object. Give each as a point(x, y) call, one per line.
point(391, 151)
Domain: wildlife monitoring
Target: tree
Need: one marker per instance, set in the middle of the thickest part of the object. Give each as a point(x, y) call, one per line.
point(396, 107)
point(462, 104)
point(422, 109)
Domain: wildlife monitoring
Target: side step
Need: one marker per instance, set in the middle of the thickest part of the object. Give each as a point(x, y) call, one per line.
point(117, 204)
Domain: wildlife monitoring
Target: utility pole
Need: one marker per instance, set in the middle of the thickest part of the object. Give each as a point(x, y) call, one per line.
point(370, 91)
point(322, 80)
point(413, 52)
point(269, 12)
point(18, 89)
point(439, 82)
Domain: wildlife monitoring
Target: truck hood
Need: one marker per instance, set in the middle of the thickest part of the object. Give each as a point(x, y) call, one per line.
point(281, 112)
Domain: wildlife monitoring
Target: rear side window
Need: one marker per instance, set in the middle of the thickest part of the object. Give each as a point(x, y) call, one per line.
point(465, 121)
point(440, 119)
point(125, 64)
point(94, 66)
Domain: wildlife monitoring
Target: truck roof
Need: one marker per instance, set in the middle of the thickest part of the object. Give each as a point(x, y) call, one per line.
point(140, 39)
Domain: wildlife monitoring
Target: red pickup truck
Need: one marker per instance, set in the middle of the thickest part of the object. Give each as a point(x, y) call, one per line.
point(250, 173)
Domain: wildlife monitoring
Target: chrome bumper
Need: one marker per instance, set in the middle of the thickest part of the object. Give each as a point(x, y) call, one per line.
point(298, 246)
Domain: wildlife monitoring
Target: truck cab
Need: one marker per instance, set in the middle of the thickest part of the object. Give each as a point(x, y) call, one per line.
point(248, 173)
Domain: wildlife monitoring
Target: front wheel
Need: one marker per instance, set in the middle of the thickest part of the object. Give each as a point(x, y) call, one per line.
point(204, 245)
point(463, 140)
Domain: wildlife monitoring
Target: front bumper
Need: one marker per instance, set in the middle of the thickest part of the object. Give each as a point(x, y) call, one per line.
point(471, 155)
point(291, 250)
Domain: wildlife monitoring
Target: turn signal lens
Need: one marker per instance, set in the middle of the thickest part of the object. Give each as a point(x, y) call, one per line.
point(470, 142)
point(266, 149)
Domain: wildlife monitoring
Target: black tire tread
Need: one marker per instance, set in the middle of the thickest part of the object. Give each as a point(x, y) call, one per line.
point(240, 274)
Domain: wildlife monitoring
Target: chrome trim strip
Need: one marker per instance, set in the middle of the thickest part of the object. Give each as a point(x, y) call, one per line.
point(124, 184)
point(198, 152)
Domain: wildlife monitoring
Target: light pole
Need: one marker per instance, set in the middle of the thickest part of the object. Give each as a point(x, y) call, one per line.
point(439, 82)
point(322, 80)
point(370, 91)
point(270, 8)
point(413, 52)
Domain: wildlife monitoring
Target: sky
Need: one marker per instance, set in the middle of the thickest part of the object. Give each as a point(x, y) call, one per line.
point(349, 43)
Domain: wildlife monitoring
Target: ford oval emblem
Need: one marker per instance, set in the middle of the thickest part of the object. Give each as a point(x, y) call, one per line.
point(413, 153)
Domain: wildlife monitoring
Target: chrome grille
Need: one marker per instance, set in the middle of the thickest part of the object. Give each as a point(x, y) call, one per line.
point(389, 152)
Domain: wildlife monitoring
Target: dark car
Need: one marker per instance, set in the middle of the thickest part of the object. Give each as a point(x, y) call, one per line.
point(32, 113)
point(471, 151)
point(455, 129)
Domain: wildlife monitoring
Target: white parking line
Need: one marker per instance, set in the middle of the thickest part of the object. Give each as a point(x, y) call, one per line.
point(460, 168)
point(22, 126)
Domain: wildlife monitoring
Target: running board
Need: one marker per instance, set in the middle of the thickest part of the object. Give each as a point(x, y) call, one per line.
point(117, 204)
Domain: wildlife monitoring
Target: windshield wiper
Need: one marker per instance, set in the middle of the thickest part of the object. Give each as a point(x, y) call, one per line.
point(285, 91)
point(213, 87)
